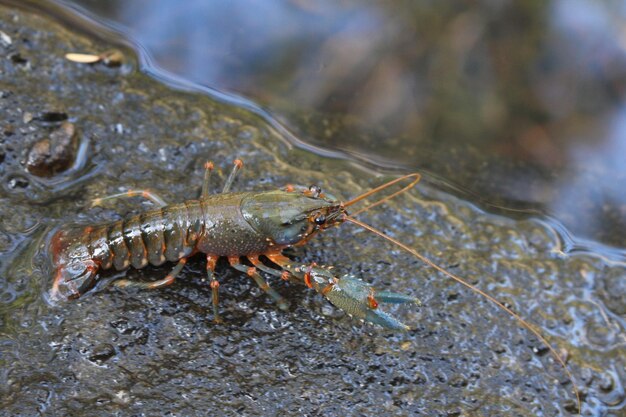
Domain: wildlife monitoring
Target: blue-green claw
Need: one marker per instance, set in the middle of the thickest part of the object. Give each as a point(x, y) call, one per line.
point(385, 320)
point(358, 298)
point(395, 298)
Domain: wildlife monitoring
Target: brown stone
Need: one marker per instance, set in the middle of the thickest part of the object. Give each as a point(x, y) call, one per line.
point(55, 153)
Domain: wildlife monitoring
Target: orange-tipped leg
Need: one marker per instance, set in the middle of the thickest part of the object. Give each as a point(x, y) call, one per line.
point(252, 273)
point(168, 280)
point(208, 168)
point(279, 259)
point(238, 164)
point(211, 261)
point(147, 194)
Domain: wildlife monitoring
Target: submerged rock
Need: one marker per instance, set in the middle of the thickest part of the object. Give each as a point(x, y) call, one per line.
point(55, 153)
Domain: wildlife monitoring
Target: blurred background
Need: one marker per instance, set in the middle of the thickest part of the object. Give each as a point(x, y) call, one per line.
point(518, 106)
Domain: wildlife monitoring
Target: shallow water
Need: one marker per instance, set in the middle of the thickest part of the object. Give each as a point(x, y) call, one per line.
point(129, 352)
point(518, 105)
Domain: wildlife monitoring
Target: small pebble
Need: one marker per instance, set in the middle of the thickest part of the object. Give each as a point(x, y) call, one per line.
point(55, 153)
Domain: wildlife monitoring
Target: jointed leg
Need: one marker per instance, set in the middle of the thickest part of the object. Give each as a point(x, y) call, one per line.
point(254, 260)
point(279, 259)
point(252, 273)
point(229, 181)
point(215, 285)
point(288, 269)
point(208, 168)
point(168, 280)
point(147, 194)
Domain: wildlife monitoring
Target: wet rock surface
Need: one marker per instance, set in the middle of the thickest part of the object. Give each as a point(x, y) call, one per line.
point(155, 352)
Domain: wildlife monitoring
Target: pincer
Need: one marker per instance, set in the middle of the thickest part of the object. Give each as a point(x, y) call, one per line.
point(356, 297)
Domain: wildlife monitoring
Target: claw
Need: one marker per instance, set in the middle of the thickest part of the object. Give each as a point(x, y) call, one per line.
point(358, 298)
point(395, 298)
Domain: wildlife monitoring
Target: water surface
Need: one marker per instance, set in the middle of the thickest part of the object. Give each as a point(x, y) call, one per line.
point(516, 105)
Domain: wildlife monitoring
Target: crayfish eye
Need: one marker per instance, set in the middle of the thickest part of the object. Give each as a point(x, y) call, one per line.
point(315, 190)
point(320, 220)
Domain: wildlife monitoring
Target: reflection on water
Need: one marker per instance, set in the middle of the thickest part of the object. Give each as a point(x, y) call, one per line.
point(520, 103)
point(605, 211)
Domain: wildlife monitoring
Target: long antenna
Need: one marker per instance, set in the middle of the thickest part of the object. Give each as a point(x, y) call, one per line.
point(458, 279)
point(415, 175)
